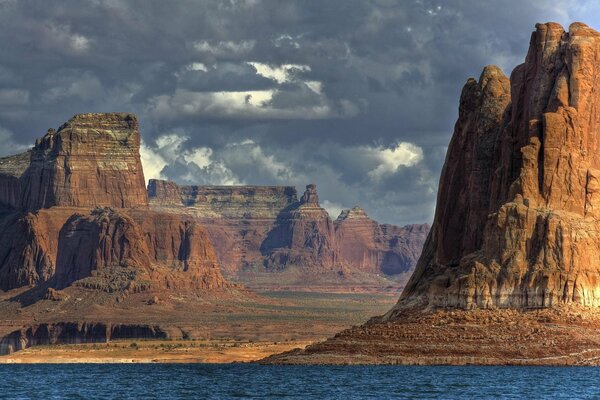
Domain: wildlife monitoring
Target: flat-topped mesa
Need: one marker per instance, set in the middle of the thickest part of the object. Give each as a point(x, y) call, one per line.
point(517, 222)
point(222, 201)
point(91, 160)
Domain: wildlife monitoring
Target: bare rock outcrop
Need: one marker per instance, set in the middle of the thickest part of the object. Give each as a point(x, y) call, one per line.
point(252, 226)
point(517, 222)
point(75, 208)
point(387, 249)
point(304, 236)
point(149, 248)
point(28, 247)
point(91, 160)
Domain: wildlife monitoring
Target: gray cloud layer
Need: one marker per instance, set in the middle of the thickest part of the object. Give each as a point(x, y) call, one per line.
point(357, 96)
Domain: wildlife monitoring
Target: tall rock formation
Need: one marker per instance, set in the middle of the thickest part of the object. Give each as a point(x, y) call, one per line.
point(162, 249)
point(376, 248)
point(303, 236)
point(75, 207)
point(254, 227)
point(517, 221)
point(91, 160)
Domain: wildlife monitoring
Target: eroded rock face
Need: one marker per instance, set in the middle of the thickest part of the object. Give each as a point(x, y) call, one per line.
point(160, 250)
point(92, 160)
point(376, 248)
point(303, 236)
point(75, 333)
point(102, 239)
point(517, 221)
point(52, 231)
point(28, 247)
point(269, 226)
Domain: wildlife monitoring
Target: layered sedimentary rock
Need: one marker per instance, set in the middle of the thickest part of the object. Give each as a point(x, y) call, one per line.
point(28, 246)
point(91, 160)
point(237, 218)
point(159, 249)
point(517, 222)
point(249, 202)
point(304, 235)
point(510, 273)
point(52, 231)
point(75, 333)
point(376, 248)
point(268, 226)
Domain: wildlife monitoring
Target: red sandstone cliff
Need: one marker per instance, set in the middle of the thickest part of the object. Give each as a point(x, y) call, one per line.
point(304, 236)
point(266, 225)
point(517, 217)
point(51, 230)
point(387, 249)
point(92, 160)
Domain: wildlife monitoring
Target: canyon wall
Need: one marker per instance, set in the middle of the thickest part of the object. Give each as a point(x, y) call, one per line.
point(269, 226)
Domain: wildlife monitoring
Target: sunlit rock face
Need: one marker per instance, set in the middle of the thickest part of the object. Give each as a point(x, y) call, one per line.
point(271, 227)
point(91, 160)
point(75, 208)
point(517, 223)
point(378, 248)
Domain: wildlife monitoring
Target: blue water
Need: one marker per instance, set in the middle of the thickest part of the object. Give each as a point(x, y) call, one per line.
point(203, 381)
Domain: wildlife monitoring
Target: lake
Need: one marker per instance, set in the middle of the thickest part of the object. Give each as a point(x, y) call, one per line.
point(238, 381)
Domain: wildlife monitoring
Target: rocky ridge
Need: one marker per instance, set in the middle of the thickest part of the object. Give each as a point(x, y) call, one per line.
point(266, 228)
point(509, 273)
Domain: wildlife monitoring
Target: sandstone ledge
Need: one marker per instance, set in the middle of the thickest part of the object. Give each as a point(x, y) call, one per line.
point(550, 337)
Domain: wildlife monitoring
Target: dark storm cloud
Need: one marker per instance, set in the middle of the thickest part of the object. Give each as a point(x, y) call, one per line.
point(357, 96)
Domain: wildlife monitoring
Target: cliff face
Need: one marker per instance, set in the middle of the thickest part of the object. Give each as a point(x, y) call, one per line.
point(268, 226)
point(304, 235)
point(92, 160)
point(517, 219)
point(376, 248)
point(160, 250)
point(231, 202)
point(52, 231)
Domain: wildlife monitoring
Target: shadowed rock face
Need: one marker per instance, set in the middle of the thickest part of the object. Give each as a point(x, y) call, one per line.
point(517, 220)
point(75, 333)
point(378, 248)
point(92, 160)
point(268, 225)
point(304, 235)
point(161, 250)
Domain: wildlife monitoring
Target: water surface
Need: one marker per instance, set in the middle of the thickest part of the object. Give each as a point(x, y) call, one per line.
point(246, 381)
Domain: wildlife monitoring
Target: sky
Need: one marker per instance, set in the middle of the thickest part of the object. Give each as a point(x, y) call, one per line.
point(357, 96)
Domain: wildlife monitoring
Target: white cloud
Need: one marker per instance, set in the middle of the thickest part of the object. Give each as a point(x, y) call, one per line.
point(196, 66)
point(61, 37)
point(333, 209)
point(256, 104)
point(68, 84)
point(200, 156)
point(248, 154)
point(152, 163)
point(280, 74)
point(404, 154)
point(222, 48)
point(8, 147)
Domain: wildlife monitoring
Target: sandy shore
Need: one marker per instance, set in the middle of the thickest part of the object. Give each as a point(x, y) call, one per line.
point(153, 351)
